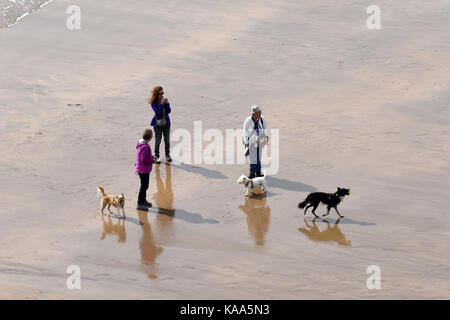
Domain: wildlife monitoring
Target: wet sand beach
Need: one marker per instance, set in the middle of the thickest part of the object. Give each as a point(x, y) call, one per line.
point(355, 108)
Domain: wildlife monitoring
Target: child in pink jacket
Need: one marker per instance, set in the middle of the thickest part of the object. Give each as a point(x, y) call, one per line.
point(144, 162)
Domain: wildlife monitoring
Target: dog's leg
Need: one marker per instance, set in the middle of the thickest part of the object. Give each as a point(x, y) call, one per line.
point(328, 211)
point(307, 207)
point(109, 208)
point(314, 210)
point(337, 211)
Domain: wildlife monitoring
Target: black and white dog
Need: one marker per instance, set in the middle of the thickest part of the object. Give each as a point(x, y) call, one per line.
point(331, 200)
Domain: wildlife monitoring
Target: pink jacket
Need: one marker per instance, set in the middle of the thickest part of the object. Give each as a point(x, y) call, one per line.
point(144, 157)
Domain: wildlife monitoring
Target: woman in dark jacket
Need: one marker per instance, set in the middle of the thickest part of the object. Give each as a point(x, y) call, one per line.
point(161, 121)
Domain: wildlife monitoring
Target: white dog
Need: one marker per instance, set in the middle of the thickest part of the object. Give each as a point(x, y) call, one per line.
point(253, 183)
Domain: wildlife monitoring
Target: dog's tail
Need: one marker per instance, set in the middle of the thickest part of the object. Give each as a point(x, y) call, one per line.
point(303, 204)
point(101, 191)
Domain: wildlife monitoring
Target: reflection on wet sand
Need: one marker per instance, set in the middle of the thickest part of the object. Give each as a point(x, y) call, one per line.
point(149, 250)
point(258, 218)
point(117, 229)
point(164, 197)
point(164, 203)
point(329, 234)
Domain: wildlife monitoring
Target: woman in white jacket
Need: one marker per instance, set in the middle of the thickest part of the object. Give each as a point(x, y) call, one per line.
point(255, 137)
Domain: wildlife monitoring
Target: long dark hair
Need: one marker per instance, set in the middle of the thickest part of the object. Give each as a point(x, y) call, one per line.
point(154, 96)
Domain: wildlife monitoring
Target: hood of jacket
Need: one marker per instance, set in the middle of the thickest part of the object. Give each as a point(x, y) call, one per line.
point(141, 144)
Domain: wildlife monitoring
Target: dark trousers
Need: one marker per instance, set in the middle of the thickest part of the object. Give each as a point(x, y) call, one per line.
point(159, 132)
point(255, 169)
point(145, 178)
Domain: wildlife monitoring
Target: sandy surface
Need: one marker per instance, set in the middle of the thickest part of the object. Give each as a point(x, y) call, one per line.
point(357, 108)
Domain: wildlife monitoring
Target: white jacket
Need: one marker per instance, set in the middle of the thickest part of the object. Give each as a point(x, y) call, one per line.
point(250, 137)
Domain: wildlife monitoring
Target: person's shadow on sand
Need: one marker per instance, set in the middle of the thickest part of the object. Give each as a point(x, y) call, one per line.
point(117, 229)
point(331, 233)
point(207, 173)
point(164, 202)
point(258, 218)
point(148, 249)
point(289, 184)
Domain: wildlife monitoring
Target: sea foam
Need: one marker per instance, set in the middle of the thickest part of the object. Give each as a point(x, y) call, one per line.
point(12, 11)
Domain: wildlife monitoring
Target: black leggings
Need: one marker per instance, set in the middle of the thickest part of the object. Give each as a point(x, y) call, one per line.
point(159, 132)
point(145, 178)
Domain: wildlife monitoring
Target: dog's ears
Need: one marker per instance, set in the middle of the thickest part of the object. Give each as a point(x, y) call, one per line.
point(339, 188)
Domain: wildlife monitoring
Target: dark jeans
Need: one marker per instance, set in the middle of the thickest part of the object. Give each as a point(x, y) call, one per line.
point(145, 178)
point(255, 169)
point(159, 132)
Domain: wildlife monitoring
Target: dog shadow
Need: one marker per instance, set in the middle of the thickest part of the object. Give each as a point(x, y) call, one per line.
point(329, 233)
point(115, 229)
point(257, 193)
point(207, 173)
point(289, 184)
point(346, 220)
point(122, 218)
point(258, 218)
point(258, 196)
point(261, 195)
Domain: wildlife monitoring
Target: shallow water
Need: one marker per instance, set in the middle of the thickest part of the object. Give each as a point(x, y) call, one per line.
point(12, 11)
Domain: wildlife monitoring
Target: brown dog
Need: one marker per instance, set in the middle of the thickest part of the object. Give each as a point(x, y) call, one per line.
point(110, 200)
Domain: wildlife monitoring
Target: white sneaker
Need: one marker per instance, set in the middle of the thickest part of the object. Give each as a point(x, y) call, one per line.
point(158, 160)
